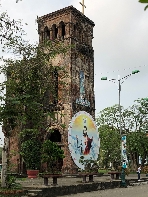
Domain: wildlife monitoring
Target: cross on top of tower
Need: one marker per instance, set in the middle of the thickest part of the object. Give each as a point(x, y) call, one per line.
point(83, 6)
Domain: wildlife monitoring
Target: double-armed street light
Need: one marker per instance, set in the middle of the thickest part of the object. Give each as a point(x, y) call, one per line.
point(119, 81)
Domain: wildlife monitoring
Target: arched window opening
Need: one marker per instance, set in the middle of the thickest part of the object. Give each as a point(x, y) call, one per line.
point(46, 33)
point(55, 136)
point(54, 32)
point(62, 31)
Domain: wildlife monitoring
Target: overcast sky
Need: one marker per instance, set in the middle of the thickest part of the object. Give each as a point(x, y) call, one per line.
point(120, 42)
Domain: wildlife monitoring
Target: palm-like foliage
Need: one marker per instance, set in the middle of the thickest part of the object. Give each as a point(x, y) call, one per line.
point(144, 1)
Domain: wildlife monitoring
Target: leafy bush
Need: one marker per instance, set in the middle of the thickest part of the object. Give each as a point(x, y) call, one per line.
point(31, 153)
point(51, 152)
point(89, 165)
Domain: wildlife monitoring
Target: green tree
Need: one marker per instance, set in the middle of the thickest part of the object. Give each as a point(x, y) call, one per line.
point(51, 152)
point(30, 83)
point(110, 116)
point(11, 32)
point(139, 115)
point(144, 1)
point(110, 151)
point(137, 145)
point(30, 79)
point(138, 127)
point(134, 124)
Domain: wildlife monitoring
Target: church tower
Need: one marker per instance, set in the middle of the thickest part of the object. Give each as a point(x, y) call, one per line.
point(70, 26)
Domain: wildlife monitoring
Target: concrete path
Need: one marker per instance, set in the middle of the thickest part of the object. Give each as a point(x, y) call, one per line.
point(39, 183)
point(68, 186)
point(139, 191)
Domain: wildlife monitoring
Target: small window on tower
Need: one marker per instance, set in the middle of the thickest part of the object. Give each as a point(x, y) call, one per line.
point(46, 33)
point(54, 31)
point(62, 29)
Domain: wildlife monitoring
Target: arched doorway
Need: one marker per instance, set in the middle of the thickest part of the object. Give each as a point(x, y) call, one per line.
point(55, 136)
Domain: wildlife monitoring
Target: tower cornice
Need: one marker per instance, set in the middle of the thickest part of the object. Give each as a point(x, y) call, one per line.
point(69, 9)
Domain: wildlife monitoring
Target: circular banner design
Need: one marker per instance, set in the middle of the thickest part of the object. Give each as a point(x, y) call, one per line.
point(83, 138)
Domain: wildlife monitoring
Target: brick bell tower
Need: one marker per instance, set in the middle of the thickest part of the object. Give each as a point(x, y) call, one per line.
point(70, 26)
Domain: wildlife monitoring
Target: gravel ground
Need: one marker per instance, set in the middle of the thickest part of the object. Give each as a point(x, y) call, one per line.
point(135, 191)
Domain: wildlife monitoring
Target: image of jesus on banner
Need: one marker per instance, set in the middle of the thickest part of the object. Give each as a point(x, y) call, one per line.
point(87, 141)
point(83, 138)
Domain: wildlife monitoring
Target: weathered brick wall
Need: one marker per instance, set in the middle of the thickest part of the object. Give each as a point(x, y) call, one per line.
point(14, 155)
point(78, 32)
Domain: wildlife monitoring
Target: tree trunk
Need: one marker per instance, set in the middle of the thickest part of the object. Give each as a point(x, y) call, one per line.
point(143, 160)
point(133, 161)
point(4, 162)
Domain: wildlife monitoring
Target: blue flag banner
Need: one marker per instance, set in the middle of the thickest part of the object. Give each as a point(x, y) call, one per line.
point(123, 151)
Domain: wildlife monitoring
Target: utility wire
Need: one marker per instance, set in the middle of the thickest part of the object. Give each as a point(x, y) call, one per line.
point(120, 70)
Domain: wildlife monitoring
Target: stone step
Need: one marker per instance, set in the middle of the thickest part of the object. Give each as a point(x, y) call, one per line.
point(33, 192)
point(24, 196)
point(139, 183)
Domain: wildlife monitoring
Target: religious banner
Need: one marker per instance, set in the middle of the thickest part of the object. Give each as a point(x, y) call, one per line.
point(82, 100)
point(83, 138)
point(82, 87)
point(123, 151)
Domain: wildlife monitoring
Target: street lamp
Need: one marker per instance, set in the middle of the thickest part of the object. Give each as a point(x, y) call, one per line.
point(146, 99)
point(119, 81)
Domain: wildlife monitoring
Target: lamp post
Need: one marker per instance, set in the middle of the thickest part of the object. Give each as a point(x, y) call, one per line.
point(118, 82)
point(146, 99)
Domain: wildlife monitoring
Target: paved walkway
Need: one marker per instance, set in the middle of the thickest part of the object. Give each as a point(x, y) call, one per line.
point(139, 191)
point(65, 181)
point(68, 186)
